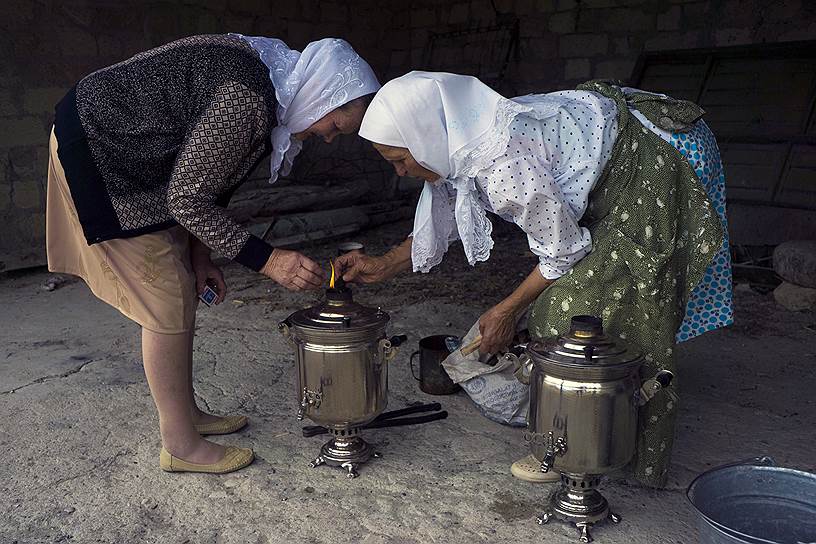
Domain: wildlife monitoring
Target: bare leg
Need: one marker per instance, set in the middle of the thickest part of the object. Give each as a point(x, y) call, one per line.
point(199, 416)
point(166, 362)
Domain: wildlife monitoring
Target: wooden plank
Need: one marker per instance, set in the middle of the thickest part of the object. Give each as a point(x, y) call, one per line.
point(682, 69)
point(751, 170)
point(764, 225)
point(795, 97)
point(766, 66)
point(798, 185)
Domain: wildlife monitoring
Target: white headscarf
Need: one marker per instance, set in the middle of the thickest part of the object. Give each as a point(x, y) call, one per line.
point(455, 126)
point(309, 85)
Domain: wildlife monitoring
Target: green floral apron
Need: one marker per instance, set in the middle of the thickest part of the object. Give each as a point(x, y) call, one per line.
point(654, 232)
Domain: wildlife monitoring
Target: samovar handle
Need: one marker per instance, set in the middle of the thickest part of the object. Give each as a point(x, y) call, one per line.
point(388, 347)
point(523, 366)
point(283, 328)
point(652, 386)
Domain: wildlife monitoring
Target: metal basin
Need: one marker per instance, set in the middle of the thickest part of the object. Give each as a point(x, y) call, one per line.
point(755, 503)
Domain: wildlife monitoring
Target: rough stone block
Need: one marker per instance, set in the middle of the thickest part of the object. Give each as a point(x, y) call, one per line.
point(598, 3)
point(562, 22)
point(626, 46)
point(583, 45)
point(735, 13)
point(671, 19)
point(794, 297)
point(532, 26)
point(533, 7)
point(481, 13)
point(418, 58)
point(23, 131)
point(732, 36)
point(542, 48)
point(253, 7)
point(562, 5)
point(9, 103)
point(309, 9)
point(673, 40)
point(423, 17)
point(299, 33)
point(398, 39)
point(795, 262)
point(239, 23)
point(398, 58)
point(616, 20)
point(419, 37)
point(504, 6)
point(459, 14)
point(78, 42)
point(800, 32)
point(36, 224)
point(42, 100)
point(5, 196)
point(577, 69)
point(27, 195)
point(696, 16)
point(614, 69)
point(336, 13)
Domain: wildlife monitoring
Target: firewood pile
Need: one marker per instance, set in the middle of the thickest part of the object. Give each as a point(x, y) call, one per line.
point(292, 214)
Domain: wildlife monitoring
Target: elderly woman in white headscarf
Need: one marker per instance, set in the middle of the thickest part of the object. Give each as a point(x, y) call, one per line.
point(144, 156)
point(606, 184)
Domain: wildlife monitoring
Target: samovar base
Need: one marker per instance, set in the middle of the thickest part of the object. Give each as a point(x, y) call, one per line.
point(578, 502)
point(346, 450)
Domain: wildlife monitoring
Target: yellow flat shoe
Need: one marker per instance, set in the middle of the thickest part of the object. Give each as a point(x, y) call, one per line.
point(234, 459)
point(224, 425)
point(528, 469)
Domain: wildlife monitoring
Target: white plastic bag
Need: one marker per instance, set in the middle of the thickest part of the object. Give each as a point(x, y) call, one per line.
point(494, 389)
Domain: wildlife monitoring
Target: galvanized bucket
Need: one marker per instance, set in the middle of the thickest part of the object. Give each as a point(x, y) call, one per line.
point(755, 502)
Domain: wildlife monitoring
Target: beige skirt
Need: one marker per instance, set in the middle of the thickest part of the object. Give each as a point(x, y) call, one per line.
point(148, 278)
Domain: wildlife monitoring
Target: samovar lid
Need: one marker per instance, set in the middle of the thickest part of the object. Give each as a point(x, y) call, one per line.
point(338, 311)
point(584, 346)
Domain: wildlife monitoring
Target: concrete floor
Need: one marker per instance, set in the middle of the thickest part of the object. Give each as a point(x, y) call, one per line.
point(80, 435)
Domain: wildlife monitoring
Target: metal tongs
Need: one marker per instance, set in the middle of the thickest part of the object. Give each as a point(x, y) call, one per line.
point(392, 419)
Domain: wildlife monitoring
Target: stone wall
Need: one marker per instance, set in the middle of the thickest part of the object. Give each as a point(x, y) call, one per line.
point(563, 42)
point(47, 45)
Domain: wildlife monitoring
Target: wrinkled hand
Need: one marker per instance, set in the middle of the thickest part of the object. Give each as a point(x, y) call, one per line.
point(208, 273)
point(497, 326)
point(362, 268)
point(293, 270)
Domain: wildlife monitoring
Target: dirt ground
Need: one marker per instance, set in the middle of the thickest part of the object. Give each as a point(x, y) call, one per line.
point(80, 434)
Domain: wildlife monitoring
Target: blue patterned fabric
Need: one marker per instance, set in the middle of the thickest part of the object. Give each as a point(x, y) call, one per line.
point(710, 304)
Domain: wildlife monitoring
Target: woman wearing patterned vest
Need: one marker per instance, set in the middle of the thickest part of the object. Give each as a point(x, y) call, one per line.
point(144, 156)
point(620, 194)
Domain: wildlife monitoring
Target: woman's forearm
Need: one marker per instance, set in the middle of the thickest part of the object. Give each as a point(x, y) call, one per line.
point(198, 249)
point(399, 258)
point(532, 286)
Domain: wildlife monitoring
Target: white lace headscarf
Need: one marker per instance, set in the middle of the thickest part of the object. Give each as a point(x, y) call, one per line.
point(308, 85)
point(455, 126)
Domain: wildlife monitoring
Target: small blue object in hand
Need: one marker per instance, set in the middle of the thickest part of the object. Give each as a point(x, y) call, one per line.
point(209, 296)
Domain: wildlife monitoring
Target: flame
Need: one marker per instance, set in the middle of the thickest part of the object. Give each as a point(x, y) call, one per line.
point(331, 282)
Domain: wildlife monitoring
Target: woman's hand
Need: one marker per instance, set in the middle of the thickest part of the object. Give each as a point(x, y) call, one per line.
point(293, 270)
point(362, 268)
point(207, 272)
point(497, 327)
point(498, 324)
